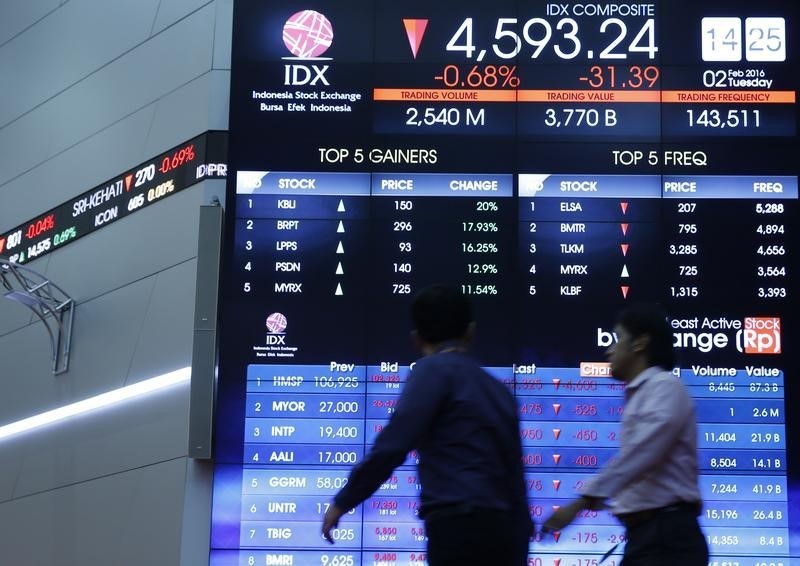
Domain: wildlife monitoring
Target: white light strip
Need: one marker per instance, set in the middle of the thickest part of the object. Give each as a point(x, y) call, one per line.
point(97, 402)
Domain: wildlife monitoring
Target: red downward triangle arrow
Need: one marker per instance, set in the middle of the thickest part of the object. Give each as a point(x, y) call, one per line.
point(556, 458)
point(624, 290)
point(556, 507)
point(556, 562)
point(556, 407)
point(556, 432)
point(624, 207)
point(128, 179)
point(556, 484)
point(557, 535)
point(556, 382)
point(624, 229)
point(625, 248)
point(415, 29)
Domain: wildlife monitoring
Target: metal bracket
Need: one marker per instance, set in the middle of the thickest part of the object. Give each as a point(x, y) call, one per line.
point(47, 301)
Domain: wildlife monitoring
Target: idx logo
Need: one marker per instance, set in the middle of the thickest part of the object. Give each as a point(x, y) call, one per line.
point(299, 75)
point(307, 34)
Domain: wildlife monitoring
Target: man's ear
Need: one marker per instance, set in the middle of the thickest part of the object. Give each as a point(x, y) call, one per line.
point(641, 343)
point(469, 335)
point(416, 339)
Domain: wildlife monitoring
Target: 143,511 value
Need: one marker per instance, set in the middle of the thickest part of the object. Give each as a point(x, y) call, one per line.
point(733, 118)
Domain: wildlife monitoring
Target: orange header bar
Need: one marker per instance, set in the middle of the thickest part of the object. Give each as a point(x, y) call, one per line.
point(444, 95)
point(589, 96)
point(729, 96)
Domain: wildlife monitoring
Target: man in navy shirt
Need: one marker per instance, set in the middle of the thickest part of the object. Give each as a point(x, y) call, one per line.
point(464, 425)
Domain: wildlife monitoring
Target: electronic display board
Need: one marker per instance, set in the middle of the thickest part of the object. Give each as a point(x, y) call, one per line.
point(556, 161)
point(198, 159)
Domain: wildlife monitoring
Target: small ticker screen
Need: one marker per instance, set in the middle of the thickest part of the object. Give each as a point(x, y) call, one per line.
point(203, 157)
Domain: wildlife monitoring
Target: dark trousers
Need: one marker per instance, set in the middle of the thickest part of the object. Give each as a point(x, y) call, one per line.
point(475, 538)
point(666, 539)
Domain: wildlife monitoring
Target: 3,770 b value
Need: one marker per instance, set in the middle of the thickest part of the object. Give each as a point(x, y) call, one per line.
point(580, 117)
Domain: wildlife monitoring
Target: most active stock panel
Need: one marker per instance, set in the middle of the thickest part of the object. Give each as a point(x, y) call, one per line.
point(556, 161)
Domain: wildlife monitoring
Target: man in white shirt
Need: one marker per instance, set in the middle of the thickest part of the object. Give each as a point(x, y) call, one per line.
point(652, 483)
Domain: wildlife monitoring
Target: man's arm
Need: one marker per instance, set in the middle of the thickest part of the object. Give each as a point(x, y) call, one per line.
point(565, 514)
point(657, 425)
point(416, 410)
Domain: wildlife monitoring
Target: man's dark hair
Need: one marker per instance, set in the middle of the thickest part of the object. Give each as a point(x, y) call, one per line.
point(652, 320)
point(440, 313)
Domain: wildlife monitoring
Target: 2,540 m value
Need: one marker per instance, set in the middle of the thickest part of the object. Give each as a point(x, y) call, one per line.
point(445, 116)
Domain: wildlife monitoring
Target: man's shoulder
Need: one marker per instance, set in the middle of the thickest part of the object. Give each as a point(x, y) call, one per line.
point(660, 374)
point(665, 376)
point(665, 382)
point(654, 375)
point(456, 365)
point(434, 366)
point(447, 359)
point(427, 363)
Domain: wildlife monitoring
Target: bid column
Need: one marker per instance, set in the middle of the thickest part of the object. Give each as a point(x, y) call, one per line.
point(454, 229)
